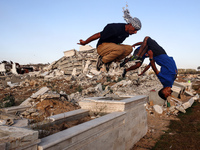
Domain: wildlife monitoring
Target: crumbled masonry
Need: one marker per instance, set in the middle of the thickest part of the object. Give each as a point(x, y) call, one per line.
point(61, 86)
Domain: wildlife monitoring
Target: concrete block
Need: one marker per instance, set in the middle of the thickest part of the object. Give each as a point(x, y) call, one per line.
point(72, 114)
point(155, 98)
point(14, 70)
point(188, 93)
point(34, 95)
point(70, 53)
point(176, 91)
point(21, 123)
point(85, 48)
point(88, 135)
point(188, 103)
point(117, 130)
point(158, 109)
point(18, 138)
point(182, 86)
point(14, 109)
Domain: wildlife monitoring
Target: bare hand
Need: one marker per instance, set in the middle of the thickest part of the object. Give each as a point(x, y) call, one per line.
point(81, 42)
point(133, 45)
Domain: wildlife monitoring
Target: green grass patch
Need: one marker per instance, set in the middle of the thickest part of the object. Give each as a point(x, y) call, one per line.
point(183, 134)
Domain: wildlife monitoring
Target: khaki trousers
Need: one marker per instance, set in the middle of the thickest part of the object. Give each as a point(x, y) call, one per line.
point(113, 52)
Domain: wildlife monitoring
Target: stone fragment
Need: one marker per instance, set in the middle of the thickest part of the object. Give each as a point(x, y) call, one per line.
point(180, 108)
point(70, 53)
point(99, 87)
point(12, 84)
point(188, 103)
point(85, 48)
point(176, 91)
point(21, 123)
point(14, 70)
point(158, 109)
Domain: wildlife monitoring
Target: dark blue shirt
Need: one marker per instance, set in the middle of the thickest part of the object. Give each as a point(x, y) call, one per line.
point(113, 33)
point(168, 70)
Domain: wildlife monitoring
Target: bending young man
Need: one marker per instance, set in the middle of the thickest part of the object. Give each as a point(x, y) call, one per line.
point(109, 46)
point(168, 70)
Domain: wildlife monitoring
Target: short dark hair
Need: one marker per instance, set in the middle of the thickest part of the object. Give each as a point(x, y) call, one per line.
point(161, 94)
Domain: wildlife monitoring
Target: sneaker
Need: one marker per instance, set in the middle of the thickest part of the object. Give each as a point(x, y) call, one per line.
point(99, 63)
point(124, 73)
point(108, 66)
point(124, 62)
point(134, 58)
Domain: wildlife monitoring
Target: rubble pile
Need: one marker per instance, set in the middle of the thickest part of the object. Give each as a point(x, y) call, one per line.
point(59, 86)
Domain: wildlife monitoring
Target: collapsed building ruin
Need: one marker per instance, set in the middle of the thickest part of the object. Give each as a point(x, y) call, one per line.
point(118, 108)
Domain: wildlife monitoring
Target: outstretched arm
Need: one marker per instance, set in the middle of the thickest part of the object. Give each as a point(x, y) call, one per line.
point(145, 69)
point(136, 44)
point(90, 39)
point(150, 53)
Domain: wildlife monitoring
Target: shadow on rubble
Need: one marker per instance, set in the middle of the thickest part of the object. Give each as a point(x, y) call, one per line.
point(183, 133)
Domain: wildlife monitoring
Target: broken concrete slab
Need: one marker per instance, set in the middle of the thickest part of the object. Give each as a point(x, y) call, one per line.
point(69, 115)
point(182, 86)
point(20, 123)
point(188, 93)
point(40, 92)
point(70, 53)
point(176, 91)
point(12, 84)
point(158, 109)
point(180, 108)
point(27, 102)
point(14, 70)
point(85, 48)
point(18, 138)
point(188, 104)
point(14, 109)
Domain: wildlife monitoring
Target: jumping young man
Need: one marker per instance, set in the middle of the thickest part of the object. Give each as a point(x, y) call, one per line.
point(109, 45)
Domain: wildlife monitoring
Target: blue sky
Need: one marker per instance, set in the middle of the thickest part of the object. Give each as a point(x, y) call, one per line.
point(38, 31)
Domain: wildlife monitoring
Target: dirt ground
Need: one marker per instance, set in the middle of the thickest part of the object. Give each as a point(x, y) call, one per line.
point(157, 124)
point(160, 129)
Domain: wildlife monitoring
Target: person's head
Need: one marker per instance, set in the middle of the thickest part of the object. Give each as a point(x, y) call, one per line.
point(135, 22)
point(165, 92)
point(130, 29)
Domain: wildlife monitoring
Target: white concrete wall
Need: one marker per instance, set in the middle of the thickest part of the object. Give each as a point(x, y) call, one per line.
point(115, 131)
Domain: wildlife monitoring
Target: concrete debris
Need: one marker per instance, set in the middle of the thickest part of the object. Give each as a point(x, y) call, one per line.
point(12, 84)
point(196, 97)
point(2, 122)
point(158, 109)
point(21, 123)
point(7, 68)
point(180, 108)
point(188, 104)
point(74, 77)
point(35, 95)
